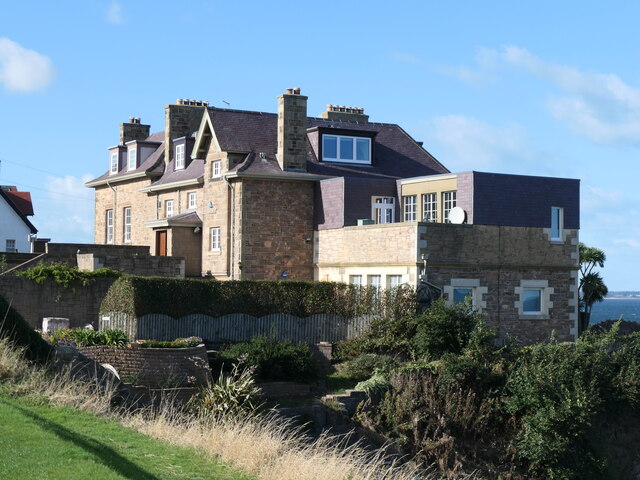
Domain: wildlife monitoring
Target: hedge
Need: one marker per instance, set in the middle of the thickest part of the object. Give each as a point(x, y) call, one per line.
point(139, 296)
point(14, 327)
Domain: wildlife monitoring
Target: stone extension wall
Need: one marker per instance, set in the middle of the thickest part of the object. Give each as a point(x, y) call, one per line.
point(155, 367)
point(36, 301)
point(145, 266)
point(276, 229)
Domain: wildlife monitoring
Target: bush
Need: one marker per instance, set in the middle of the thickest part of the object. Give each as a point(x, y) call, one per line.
point(81, 337)
point(443, 329)
point(177, 343)
point(363, 366)
point(232, 396)
point(64, 275)
point(272, 360)
point(15, 328)
point(138, 296)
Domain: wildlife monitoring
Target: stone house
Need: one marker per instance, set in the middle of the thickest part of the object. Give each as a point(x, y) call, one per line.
point(254, 195)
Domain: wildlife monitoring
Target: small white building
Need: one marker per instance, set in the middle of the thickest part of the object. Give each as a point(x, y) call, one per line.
point(15, 227)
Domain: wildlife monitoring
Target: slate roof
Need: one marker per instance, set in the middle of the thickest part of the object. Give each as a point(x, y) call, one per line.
point(154, 164)
point(9, 199)
point(397, 155)
point(194, 170)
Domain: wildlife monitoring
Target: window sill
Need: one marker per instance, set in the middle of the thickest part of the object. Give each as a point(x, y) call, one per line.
point(534, 316)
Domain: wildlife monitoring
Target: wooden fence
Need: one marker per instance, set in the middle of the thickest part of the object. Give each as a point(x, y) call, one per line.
point(238, 327)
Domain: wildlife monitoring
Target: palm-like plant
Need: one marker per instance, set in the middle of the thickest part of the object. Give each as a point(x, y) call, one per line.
point(592, 287)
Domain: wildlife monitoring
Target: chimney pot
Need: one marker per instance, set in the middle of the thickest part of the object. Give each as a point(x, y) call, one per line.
point(130, 119)
point(289, 91)
point(206, 103)
point(178, 101)
point(296, 90)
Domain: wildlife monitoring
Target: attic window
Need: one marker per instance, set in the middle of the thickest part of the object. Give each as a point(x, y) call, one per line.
point(132, 159)
point(345, 149)
point(114, 163)
point(180, 157)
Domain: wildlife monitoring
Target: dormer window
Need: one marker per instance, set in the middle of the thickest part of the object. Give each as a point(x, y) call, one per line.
point(180, 157)
point(346, 149)
point(114, 163)
point(132, 159)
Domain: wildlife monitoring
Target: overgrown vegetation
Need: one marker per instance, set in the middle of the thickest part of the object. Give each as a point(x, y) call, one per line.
point(271, 359)
point(138, 296)
point(83, 337)
point(177, 343)
point(64, 275)
point(546, 411)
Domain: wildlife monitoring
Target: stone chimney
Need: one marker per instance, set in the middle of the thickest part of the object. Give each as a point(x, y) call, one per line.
point(181, 120)
point(292, 130)
point(134, 130)
point(345, 114)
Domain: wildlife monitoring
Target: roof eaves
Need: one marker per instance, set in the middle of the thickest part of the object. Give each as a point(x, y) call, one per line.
point(22, 216)
point(170, 185)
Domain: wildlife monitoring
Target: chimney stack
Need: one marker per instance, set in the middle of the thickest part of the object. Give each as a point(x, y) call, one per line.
point(292, 130)
point(134, 130)
point(181, 120)
point(345, 114)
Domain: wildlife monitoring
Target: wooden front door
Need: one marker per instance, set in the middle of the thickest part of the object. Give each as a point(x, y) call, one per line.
point(161, 243)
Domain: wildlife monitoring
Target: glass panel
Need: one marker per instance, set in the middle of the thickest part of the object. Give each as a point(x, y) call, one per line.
point(555, 222)
point(459, 294)
point(329, 147)
point(346, 148)
point(531, 300)
point(362, 149)
point(355, 279)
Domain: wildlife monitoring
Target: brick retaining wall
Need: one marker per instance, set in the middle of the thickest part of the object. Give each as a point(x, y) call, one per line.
point(155, 367)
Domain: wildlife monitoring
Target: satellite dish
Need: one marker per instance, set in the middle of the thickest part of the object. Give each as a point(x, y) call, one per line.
point(457, 215)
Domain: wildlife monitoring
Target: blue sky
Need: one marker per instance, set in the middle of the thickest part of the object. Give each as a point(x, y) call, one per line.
point(538, 88)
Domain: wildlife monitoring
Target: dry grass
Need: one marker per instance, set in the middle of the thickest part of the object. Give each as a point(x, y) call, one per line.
point(266, 447)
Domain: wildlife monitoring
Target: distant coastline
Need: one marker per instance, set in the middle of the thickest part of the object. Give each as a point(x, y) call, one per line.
point(622, 295)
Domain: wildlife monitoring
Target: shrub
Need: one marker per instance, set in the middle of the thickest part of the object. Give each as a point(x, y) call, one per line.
point(272, 360)
point(138, 296)
point(363, 366)
point(82, 337)
point(15, 328)
point(233, 395)
point(177, 343)
point(443, 329)
point(64, 275)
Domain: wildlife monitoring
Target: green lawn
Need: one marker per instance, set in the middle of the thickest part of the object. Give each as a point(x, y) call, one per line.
point(39, 442)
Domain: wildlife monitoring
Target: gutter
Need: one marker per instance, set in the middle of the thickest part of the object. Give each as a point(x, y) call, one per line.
point(282, 177)
point(169, 186)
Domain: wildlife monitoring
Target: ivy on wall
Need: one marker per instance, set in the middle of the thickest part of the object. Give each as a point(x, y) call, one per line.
point(139, 296)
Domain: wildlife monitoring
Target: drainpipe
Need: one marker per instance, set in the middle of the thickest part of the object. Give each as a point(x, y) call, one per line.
point(232, 227)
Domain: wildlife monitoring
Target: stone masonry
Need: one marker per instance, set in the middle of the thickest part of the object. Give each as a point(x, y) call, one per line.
point(292, 130)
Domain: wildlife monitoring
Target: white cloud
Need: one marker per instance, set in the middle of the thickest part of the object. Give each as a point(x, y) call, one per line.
point(469, 143)
point(594, 198)
point(114, 13)
point(23, 70)
point(481, 74)
point(601, 107)
point(628, 242)
point(68, 215)
point(405, 57)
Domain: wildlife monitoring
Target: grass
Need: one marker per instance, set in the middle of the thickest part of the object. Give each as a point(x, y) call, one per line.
point(338, 383)
point(65, 443)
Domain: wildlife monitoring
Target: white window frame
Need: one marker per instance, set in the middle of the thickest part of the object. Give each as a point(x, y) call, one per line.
point(168, 208)
point(355, 280)
point(180, 157)
point(448, 202)
point(192, 200)
point(133, 159)
point(394, 281)
point(338, 158)
point(473, 284)
point(214, 237)
point(10, 245)
point(113, 168)
point(545, 299)
point(430, 207)
point(127, 224)
point(557, 224)
point(216, 169)
point(410, 207)
point(109, 227)
point(383, 209)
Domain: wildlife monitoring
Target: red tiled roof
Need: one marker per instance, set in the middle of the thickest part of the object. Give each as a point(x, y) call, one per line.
point(22, 200)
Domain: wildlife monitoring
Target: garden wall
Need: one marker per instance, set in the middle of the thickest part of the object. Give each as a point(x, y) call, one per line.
point(155, 367)
point(48, 299)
